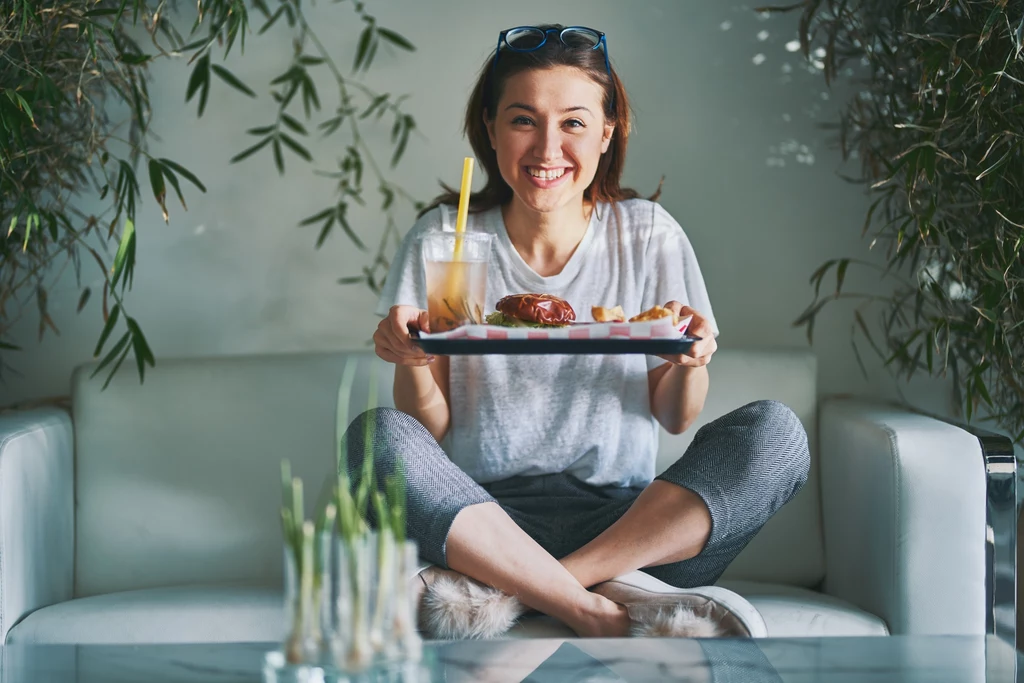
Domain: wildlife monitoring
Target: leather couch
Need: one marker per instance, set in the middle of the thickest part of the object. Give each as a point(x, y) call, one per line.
point(150, 513)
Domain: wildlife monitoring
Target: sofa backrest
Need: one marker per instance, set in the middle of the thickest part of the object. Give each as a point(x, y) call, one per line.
point(177, 480)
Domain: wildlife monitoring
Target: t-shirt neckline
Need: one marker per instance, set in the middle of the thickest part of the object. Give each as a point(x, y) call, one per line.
point(572, 266)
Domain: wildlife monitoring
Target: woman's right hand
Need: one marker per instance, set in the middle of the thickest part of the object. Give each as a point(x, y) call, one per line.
point(392, 340)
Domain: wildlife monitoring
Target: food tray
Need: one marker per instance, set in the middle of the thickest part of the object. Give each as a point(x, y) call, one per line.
point(478, 347)
point(654, 337)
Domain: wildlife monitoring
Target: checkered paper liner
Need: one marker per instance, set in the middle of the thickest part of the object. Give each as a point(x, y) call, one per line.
point(654, 329)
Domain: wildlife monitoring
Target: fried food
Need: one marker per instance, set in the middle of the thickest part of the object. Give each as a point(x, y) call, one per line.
point(608, 315)
point(655, 313)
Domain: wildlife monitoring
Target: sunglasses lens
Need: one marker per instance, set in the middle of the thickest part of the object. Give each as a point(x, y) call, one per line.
point(580, 38)
point(524, 39)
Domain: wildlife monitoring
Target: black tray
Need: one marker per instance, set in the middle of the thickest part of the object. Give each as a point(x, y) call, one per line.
point(533, 347)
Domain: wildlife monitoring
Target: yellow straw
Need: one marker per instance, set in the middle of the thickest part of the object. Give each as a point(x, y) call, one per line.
point(460, 219)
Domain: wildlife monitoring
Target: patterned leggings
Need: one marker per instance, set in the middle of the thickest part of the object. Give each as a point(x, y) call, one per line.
point(745, 466)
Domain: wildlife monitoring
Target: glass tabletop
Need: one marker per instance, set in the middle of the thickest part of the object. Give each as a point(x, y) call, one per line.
point(935, 659)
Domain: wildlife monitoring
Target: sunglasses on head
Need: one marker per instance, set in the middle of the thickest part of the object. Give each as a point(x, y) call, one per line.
point(530, 38)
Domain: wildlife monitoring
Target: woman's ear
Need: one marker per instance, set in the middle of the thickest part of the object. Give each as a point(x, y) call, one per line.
point(606, 139)
point(489, 125)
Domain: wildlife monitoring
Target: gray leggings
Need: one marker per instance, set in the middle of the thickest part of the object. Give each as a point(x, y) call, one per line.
point(745, 465)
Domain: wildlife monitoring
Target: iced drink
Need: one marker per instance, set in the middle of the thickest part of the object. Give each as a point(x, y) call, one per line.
point(456, 278)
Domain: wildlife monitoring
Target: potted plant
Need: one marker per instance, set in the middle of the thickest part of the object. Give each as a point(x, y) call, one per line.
point(939, 130)
point(67, 62)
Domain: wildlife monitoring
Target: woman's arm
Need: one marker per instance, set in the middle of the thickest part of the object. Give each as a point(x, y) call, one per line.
point(677, 395)
point(422, 391)
point(678, 389)
point(421, 381)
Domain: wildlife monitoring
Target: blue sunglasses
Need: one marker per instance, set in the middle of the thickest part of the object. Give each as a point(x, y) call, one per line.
point(530, 38)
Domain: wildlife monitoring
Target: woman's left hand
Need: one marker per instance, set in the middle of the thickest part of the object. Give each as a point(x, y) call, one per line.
point(699, 354)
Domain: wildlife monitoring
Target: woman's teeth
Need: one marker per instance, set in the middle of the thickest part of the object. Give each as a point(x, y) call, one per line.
point(547, 175)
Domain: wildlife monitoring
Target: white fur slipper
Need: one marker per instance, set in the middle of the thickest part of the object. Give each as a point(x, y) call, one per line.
point(456, 607)
point(660, 610)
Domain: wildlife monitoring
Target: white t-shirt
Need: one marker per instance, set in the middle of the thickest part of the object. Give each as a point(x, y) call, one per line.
point(585, 415)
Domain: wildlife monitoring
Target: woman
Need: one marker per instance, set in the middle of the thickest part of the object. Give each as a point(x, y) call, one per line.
point(547, 488)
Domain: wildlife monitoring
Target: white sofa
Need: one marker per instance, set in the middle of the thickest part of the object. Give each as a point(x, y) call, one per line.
point(150, 514)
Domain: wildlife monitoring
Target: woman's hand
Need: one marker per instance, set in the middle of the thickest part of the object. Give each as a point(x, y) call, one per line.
point(699, 354)
point(392, 340)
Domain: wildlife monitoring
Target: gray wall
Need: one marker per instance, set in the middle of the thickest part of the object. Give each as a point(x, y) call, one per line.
point(723, 110)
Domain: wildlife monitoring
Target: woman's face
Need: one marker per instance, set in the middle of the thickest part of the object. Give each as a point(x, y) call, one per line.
point(549, 133)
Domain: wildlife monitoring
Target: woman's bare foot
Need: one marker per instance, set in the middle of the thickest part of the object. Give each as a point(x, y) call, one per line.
point(599, 617)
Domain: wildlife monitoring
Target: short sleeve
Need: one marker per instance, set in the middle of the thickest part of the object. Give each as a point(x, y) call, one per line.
point(405, 284)
point(671, 272)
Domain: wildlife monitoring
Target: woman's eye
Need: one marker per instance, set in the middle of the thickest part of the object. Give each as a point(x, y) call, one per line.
point(575, 123)
point(521, 121)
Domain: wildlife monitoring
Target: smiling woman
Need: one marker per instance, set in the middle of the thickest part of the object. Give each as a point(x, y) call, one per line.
point(545, 486)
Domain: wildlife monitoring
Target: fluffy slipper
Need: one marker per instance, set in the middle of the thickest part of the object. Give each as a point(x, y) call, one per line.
point(455, 607)
point(665, 611)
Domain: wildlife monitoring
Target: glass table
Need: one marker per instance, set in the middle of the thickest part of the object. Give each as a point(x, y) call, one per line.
point(931, 659)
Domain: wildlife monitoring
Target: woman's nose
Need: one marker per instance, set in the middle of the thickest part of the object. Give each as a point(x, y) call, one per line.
point(548, 146)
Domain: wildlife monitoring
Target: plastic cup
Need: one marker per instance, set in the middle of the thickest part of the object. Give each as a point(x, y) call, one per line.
point(456, 281)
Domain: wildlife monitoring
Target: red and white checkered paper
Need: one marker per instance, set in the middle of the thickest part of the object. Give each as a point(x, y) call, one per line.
point(654, 329)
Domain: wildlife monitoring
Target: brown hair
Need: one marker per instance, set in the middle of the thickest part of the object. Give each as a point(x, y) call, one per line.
point(484, 101)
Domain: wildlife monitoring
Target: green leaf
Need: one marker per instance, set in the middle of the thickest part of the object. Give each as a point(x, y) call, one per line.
point(273, 19)
point(278, 157)
point(317, 217)
point(107, 329)
point(232, 80)
point(121, 346)
point(395, 39)
point(121, 258)
point(841, 274)
point(173, 180)
point(293, 124)
point(252, 150)
point(376, 102)
point(83, 299)
point(296, 147)
point(156, 180)
point(200, 75)
point(184, 172)
point(324, 232)
point(134, 59)
point(143, 354)
point(9, 347)
point(363, 50)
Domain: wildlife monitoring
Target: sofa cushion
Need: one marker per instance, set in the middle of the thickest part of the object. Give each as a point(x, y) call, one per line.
point(181, 614)
point(249, 613)
point(791, 612)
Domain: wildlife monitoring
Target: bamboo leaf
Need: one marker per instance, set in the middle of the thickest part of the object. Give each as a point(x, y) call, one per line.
point(200, 76)
point(278, 157)
point(123, 249)
point(252, 150)
point(296, 147)
point(292, 123)
point(841, 274)
point(363, 49)
point(83, 299)
point(156, 179)
point(119, 348)
point(184, 172)
point(395, 39)
point(232, 80)
point(107, 329)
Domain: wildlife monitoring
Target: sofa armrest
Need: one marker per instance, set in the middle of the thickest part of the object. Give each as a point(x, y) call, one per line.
point(908, 511)
point(36, 512)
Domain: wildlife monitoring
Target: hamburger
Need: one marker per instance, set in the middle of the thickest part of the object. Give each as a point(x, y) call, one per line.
point(532, 310)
